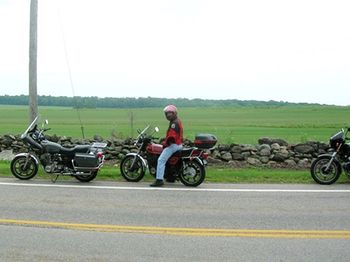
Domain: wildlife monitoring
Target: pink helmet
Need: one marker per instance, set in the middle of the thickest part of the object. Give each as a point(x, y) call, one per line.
point(170, 108)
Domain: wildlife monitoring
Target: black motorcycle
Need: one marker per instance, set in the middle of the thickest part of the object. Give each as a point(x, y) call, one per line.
point(326, 168)
point(82, 161)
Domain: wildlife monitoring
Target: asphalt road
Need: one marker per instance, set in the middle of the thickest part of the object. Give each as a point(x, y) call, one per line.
point(106, 221)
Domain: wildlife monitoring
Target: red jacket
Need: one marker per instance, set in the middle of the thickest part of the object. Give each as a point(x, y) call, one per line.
point(174, 133)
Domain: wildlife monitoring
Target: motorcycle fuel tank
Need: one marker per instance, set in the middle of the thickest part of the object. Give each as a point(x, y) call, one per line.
point(51, 147)
point(155, 149)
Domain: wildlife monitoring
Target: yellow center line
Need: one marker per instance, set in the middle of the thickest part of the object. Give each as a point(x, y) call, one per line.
point(210, 232)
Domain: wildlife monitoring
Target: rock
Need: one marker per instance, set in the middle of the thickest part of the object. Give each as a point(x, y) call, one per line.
point(98, 138)
point(224, 147)
point(226, 156)
point(304, 163)
point(264, 159)
point(253, 161)
point(290, 163)
point(249, 148)
point(264, 146)
point(275, 146)
point(279, 156)
point(212, 160)
point(265, 140)
point(279, 141)
point(265, 152)
point(236, 149)
point(246, 154)
point(237, 156)
point(6, 155)
point(304, 149)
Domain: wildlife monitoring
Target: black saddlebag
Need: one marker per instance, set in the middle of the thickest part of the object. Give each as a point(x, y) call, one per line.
point(205, 141)
point(85, 160)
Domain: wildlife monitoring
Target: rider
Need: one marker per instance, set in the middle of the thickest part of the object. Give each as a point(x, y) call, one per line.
point(171, 144)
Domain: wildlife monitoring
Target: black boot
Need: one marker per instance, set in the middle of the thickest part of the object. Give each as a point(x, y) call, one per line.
point(157, 183)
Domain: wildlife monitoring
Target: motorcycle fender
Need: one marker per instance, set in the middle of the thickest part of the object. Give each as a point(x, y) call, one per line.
point(199, 160)
point(330, 156)
point(143, 161)
point(30, 155)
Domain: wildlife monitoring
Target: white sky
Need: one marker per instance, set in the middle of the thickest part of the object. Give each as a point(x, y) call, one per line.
point(284, 50)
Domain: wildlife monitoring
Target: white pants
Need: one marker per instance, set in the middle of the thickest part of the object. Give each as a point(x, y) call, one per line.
point(163, 158)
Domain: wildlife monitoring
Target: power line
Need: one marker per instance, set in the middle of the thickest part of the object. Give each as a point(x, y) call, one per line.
point(70, 74)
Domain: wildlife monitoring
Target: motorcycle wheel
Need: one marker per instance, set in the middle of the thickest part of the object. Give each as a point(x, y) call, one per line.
point(193, 174)
point(88, 177)
point(135, 175)
point(319, 173)
point(21, 170)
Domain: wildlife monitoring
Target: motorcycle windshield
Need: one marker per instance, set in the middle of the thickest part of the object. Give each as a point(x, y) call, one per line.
point(338, 136)
point(148, 131)
point(29, 128)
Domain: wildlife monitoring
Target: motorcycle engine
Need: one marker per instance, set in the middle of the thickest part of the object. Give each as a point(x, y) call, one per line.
point(51, 163)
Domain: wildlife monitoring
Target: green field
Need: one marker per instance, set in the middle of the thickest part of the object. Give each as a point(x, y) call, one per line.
point(230, 125)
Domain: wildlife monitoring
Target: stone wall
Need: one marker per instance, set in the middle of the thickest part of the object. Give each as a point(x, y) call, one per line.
point(272, 153)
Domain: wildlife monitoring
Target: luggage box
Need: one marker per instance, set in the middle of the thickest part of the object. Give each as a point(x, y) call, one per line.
point(85, 160)
point(205, 141)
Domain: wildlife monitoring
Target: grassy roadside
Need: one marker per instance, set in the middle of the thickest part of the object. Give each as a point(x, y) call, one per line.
point(213, 175)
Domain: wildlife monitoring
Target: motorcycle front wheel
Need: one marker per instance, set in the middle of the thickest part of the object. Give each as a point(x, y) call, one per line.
point(193, 174)
point(130, 170)
point(88, 177)
point(24, 168)
point(321, 174)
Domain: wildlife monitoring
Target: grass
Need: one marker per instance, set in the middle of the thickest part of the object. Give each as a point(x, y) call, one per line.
point(230, 125)
point(213, 175)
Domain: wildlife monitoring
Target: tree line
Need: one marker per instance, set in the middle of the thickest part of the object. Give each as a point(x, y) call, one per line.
point(140, 102)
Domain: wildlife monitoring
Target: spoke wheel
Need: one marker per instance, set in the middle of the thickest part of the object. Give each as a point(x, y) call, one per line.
point(193, 174)
point(134, 174)
point(321, 174)
point(23, 169)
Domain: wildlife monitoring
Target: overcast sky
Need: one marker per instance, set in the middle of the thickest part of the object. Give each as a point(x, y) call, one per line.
point(284, 50)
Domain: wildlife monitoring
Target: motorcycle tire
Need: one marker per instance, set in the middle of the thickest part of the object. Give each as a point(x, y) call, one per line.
point(87, 178)
point(320, 175)
point(193, 174)
point(136, 174)
point(24, 171)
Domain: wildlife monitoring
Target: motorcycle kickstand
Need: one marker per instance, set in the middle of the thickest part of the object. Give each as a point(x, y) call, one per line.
point(53, 180)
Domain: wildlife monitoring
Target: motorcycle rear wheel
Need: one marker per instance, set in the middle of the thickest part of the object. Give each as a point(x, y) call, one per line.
point(23, 170)
point(323, 176)
point(193, 174)
point(134, 175)
point(88, 177)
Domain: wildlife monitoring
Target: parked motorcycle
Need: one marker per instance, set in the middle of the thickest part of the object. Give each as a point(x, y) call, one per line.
point(82, 161)
point(326, 168)
point(186, 165)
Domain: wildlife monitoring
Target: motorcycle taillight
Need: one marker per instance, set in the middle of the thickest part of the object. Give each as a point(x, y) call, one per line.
point(205, 155)
point(99, 154)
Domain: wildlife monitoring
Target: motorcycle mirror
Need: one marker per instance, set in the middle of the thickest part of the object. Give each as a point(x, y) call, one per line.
point(45, 123)
point(156, 129)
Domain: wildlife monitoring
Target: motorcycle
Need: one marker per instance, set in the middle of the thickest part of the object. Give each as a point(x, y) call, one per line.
point(186, 165)
point(82, 161)
point(326, 168)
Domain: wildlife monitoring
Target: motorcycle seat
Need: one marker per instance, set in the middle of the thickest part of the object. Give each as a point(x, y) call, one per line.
point(183, 153)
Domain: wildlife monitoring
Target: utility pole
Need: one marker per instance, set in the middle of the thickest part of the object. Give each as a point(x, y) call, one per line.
point(33, 39)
